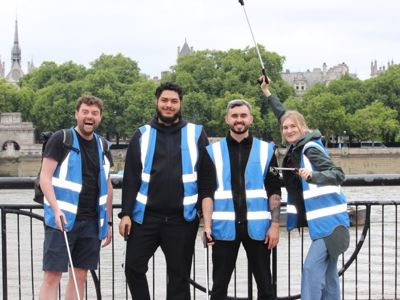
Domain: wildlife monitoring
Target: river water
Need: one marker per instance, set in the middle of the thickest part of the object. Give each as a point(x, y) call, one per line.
point(372, 276)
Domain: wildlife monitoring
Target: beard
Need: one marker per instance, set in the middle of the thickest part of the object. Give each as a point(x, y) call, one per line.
point(242, 130)
point(168, 120)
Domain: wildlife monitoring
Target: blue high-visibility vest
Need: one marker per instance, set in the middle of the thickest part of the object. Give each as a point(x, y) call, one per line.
point(325, 205)
point(258, 214)
point(189, 137)
point(67, 184)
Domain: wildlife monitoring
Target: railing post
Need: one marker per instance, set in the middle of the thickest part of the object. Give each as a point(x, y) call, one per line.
point(249, 281)
point(274, 272)
point(4, 253)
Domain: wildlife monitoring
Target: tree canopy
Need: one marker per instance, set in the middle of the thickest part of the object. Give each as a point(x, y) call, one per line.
point(366, 110)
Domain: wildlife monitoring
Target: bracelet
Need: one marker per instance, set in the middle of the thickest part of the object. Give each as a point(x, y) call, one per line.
point(110, 223)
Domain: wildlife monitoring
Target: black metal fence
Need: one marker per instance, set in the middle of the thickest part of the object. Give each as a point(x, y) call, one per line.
point(369, 269)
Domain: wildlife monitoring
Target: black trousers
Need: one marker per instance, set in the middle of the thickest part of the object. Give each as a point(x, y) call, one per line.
point(224, 255)
point(176, 237)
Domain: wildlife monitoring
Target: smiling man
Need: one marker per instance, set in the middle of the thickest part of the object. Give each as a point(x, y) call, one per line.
point(241, 201)
point(159, 195)
point(77, 188)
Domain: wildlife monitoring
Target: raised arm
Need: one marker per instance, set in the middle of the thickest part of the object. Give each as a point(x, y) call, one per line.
point(273, 101)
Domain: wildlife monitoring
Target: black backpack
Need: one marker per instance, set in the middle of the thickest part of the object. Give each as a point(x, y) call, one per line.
point(68, 141)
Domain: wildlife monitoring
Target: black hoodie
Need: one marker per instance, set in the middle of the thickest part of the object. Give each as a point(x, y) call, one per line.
point(165, 195)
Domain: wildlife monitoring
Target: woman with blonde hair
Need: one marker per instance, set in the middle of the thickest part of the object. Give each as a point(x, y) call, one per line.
point(314, 201)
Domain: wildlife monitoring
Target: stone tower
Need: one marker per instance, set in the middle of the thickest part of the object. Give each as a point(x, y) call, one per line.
point(185, 49)
point(16, 71)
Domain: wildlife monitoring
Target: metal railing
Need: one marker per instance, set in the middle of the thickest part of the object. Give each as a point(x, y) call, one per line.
point(369, 269)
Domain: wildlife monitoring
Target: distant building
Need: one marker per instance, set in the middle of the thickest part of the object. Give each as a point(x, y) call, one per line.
point(15, 72)
point(375, 70)
point(15, 134)
point(185, 50)
point(302, 81)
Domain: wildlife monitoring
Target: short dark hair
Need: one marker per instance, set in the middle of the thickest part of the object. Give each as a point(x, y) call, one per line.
point(89, 100)
point(238, 102)
point(169, 86)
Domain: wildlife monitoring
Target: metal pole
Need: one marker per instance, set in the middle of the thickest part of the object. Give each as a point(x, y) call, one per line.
point(4, 252)
point(255, 43)
point(205, 244)
point(70, 259)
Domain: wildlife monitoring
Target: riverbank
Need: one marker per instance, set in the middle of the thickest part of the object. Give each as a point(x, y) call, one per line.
point(352, 160)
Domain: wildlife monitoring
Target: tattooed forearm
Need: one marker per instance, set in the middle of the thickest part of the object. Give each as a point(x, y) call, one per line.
point(275, 207)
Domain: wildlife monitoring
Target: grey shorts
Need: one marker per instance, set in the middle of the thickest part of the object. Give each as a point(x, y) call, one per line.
point(83, 242)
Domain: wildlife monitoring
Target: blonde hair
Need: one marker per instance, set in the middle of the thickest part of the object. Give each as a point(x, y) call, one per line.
point(297, 118)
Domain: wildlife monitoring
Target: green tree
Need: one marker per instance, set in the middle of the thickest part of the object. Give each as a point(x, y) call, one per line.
point(352, 91)
point(140, 106)
point(385, 88)
point(326, 113)
point(374, 122)
point(196, 108)
point(125, 69)
point(50, 73)
point(9, 97)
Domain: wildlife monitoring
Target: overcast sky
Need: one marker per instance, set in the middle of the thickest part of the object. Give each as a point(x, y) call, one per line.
point(308, 33)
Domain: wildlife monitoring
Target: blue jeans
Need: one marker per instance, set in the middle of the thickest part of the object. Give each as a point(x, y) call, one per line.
point(320, 278)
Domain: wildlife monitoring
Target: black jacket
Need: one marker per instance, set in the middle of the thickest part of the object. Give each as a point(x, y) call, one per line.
point(165, 195)
point(239, 155)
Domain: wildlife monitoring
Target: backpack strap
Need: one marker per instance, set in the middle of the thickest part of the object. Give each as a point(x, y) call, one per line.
point(106, 148)
point(68, 141)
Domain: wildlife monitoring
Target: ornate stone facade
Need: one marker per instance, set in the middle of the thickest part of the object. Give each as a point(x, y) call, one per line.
point(14, 134)
point(375, 70)
point(302, 81)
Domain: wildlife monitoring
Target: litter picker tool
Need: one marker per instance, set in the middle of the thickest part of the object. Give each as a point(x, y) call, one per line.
point(123, 265)
point(70, 258)
point(125, 239)
point(276, 170)
point(255, 44)
point(205, 244)
point(284, 169)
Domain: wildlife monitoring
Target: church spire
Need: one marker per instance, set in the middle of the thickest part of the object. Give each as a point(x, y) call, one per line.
point(16, 50)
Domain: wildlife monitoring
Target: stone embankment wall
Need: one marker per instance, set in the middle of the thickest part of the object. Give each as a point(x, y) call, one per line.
point(352, 160)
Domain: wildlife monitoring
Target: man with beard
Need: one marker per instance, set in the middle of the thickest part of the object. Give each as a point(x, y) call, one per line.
point(159, 195)
point(241, 201)
point(77, 189)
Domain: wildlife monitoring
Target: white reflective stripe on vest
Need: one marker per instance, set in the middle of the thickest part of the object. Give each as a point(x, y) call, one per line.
point(222, 195)
point(189, 177)
point(67, 206)
point(144, 144)
point(223, 215)
point(261, 193)
point(64, 168)
point(323, 212)
point(145, 177)
point(291, 209)
point(258, 215)
point(190, 200)
point(218, 166)
point(191, 140)
point(316, 191)
point(263, 155)
point(103, 200)
point(61, 183)
point(141, 198)
point(101, 222)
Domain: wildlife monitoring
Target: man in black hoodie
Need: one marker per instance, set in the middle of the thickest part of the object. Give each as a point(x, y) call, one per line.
point(159, 195)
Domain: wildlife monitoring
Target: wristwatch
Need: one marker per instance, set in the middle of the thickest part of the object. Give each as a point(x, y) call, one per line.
point(110, 223)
